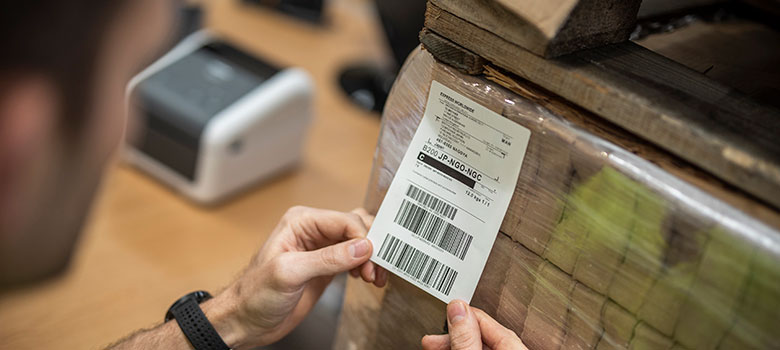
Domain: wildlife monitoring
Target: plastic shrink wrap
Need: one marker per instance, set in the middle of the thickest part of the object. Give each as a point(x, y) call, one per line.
point(599, 249)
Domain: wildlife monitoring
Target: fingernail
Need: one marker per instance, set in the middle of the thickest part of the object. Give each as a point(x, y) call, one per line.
point(373, 274)
point(456, 312)
point(359, 248)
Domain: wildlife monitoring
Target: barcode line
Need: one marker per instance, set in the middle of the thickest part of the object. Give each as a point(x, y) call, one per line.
point(433, 229)
point(431, 202)
point(420, 266)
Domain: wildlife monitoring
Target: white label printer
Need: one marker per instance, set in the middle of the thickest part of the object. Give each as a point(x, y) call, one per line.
point(211, 120)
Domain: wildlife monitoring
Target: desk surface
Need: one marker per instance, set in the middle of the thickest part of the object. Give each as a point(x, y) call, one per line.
point(144, 246)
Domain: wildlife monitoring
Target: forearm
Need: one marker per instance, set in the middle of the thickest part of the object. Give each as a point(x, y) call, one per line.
point(168, 335)
point(164, 336)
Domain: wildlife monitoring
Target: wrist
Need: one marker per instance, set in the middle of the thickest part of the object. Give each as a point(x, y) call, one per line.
point(222, 312)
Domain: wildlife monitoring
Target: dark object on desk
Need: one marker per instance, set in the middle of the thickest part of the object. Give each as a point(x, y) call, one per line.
point(190, 21)
point(402, 21)
point(367, 84)
point(309, 10)
point(178, 102)
point(209, 112)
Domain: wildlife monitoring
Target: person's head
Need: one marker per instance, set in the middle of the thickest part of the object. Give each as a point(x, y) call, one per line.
point(63, 70)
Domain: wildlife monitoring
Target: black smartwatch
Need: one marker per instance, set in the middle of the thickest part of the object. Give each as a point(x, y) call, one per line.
point(193, 322)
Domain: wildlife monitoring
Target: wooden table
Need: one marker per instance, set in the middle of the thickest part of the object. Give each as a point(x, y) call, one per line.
point(145, 246)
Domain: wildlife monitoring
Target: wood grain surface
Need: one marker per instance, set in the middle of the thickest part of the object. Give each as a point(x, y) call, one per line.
point(718, 50)
point(706, 123)
point(144, 246)
point(550, 28)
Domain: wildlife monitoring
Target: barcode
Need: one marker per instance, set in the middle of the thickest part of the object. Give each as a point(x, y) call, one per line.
point(433, 229)
point(420, 266)
point(431, 202)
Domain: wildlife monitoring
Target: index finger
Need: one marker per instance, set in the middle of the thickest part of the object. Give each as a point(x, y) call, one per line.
point(371, 272)
point(367, 218)
point(324, 227)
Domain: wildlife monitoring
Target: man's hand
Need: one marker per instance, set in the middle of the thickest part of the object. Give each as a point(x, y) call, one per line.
point(289, 273)
point(472, 329)
point(282, 283)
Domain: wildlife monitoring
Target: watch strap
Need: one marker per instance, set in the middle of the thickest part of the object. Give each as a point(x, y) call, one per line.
point(196, 327)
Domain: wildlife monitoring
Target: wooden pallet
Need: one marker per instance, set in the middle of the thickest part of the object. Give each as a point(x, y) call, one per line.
point(609, 242)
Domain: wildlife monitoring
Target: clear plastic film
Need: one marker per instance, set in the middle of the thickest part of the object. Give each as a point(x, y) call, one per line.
point(600, 248)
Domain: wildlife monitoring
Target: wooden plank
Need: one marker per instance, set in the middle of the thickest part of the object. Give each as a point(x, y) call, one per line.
point(710, 125)
point(463, 60)
point(618, 327)
point(647, 338)
point(610, 216)
point(722, 275)
point(359, 315)
point(726, 51)
point(401, 297)
point(550, 28)
point(494, 277)
point(516, 291)
point(644, 254)
point(652, 8)
point(759, 309)
point(545, 325)
point(770, 7)
point(584, 327)
point(663, 303)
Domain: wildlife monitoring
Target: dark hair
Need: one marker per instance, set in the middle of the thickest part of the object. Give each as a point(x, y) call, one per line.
point(59, 40)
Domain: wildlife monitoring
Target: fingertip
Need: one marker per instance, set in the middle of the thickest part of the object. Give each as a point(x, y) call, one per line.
point(360, 248)
point(381, 279)
point(426, 342)
point(354, 272)
point(367, 218)
point(368, 272)
point(457, 311)
point(435, 341)
point(478, 313)
point(355, 227)
point(360, 211)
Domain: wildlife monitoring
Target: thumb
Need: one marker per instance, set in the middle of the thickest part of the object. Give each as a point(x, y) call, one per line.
point(328, 261)
point(463, 327)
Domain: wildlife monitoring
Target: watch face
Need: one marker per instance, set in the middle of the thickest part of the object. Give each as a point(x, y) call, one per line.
point(199, 297)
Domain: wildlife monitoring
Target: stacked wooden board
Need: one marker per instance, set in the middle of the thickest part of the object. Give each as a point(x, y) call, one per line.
point(678, 109)
point(550, 28)
point(609, 241)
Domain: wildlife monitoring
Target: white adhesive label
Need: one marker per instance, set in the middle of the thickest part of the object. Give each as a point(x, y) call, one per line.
point(443, 210)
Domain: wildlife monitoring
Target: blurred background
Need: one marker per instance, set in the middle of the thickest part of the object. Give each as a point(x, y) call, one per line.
point(147, 244)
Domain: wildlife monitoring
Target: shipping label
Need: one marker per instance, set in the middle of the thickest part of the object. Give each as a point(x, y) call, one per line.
point(442, 212)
